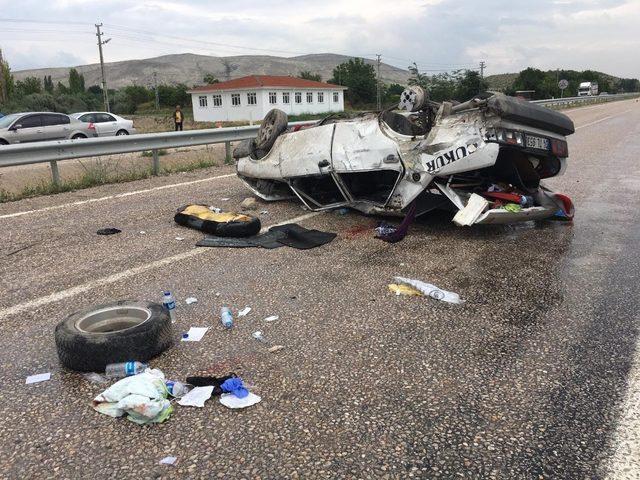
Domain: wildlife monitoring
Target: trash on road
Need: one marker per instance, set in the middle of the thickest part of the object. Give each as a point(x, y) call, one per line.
point(248, 203)
point(190, 300)
point(194, 334)
point(272, 318)
point(180, 239)
point(40, 377)
point(177, 389)
point(108, 231)
point(275, 348)
point(226, 318)
point(401, 230)
point(169, 304)
point(472, 211)
point(430, 290)
point(258, 336)
point(196, 397)
point(224, 199)
point(244, 312)
point(404, 290)
point(142, 232)
point(206, 381)
point(222, 224)
point(142, 397)
point(168, 460)
point(231, 401)
point(291, 235)
point(234, 386)
point(124, 369)
point(264, 212)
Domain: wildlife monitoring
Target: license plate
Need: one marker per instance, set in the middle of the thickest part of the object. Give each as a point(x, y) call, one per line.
point(537, 142)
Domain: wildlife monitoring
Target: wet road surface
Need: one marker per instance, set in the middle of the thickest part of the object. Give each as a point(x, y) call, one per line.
point(529, 378)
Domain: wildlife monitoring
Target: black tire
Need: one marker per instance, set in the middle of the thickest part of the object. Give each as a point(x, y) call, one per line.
point(86, 348)
point(220, 229)
point(121, 132)
point(274, 123)
point(3, 142)
point(77, 136)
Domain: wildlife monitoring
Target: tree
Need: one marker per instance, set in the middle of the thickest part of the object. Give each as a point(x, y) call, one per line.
point(48, 84)
point(532, 79)
point(418, 78)
point(76, 81)
point(7, 84)
point(61, 89)
point(391, 93)
point(172, 95)
point(28, 86)
point(359, 77)
point(469, 84)
point(307, 75)
point(210, 79)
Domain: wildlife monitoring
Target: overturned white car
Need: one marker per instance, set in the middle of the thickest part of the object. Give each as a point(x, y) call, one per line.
point(484, 158)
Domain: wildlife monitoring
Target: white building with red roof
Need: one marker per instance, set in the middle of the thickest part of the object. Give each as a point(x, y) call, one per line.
point(250, 98)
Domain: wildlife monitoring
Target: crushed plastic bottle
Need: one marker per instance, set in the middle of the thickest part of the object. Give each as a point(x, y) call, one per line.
point(225, 317)
point(124, 369)
point(259, 336)
point(169, 303)
point(177, 389)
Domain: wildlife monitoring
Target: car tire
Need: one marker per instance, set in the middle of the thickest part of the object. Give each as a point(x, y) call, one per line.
point(78, 136)
point(119, 133)
point(3, 142)
point(273, 124)
point(89, 340)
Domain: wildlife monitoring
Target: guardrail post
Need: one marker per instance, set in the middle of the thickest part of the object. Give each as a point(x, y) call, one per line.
point(227, 152)
point(156, 162)
point(55, 174)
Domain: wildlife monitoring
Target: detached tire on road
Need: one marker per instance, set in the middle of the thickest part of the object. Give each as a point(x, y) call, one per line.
point(89, 340)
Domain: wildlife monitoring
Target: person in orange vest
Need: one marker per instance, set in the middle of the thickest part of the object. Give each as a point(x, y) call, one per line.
point(178, 118)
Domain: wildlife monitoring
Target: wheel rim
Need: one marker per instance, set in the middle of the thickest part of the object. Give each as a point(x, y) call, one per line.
point(113, 319)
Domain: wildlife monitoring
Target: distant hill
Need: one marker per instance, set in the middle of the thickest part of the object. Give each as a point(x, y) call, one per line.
point(190, 69)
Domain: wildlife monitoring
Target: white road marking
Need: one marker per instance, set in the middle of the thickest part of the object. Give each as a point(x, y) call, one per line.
point(72, 292)
point(119, 195)
point(602, 119)
point(625, 462)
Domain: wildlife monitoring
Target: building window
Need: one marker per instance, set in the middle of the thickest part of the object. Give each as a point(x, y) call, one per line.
point(235, 99)
point(298, 97)
point(336, 97)
point(309, 97)
point(203, 101)
point(217, 100)
point(285, 98)
point(320, 97)
point(251, 98)
point(273, 98)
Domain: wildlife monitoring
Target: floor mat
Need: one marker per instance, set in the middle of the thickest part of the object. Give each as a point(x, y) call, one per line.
point(290, 235)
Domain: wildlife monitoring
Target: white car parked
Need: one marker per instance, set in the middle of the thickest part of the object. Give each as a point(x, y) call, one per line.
point(107, 124)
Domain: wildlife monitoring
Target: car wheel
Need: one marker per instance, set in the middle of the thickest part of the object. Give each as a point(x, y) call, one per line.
point(274, 123)
point(77, 136)
point(119, 133)
point(413, 98)
point(3, 142)
point(89, 340)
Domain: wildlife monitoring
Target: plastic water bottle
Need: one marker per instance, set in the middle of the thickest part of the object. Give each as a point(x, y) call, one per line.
point(225, 317)
point(177, 389)
point(169, 303)
point(125, 369)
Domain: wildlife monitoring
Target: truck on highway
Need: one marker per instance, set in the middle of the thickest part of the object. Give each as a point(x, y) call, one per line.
point(587, 89)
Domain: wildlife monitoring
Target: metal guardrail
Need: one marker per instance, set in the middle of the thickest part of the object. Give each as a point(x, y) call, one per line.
point(54, 151)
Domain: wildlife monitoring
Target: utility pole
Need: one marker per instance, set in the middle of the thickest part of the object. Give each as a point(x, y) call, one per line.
point(101, 42)
point(482, 67)
point(378, 99)
point(4, 95)
point(155, 87)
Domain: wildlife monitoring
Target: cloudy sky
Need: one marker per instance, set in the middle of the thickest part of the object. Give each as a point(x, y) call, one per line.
point(437, 34)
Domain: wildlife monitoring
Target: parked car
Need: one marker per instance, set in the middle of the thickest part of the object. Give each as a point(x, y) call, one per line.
point(486, 156)
point(42, 126)
point(107, 124)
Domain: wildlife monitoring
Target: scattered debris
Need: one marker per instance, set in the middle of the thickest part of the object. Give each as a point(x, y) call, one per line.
point(108, 231)
point(215, 209)
point(124, 369)
point(430, 290)
point(94, 377)
point(404, 290)
point(180, 239)
point(291, 235)
point(231, 401)
point(221, 224)
point(275, 348)
point(235, 386)
point(190, 300)
point(401, 230)
point(224, 199)
point(40, 377)
point(143, 398)
point(226, 318)
point(244, 312)
point(194, 334)
point(142, 232)
point(248, 203)
point(472, 211)
point(208, 381)
point(272, 318)
point(259, 336)
point(264, 212)
point(196, 397)
point(512, 207)
point(169, 304)
point(168, 460)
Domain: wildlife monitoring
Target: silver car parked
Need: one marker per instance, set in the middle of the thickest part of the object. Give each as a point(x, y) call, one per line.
point(42, 126)
point(107, 124)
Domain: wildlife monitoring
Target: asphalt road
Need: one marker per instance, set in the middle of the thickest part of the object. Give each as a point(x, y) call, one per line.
point(534, 376)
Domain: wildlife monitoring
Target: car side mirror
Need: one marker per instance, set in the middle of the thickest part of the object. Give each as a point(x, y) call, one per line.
point(15, 127)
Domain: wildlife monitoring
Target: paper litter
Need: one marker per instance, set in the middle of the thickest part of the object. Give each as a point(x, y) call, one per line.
point(231, 401)
point(196, 397)
point(272, 318)
point(195, 334)
point(40, 377)
point(190, 300)
point(244, 312)
point(168, 460)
